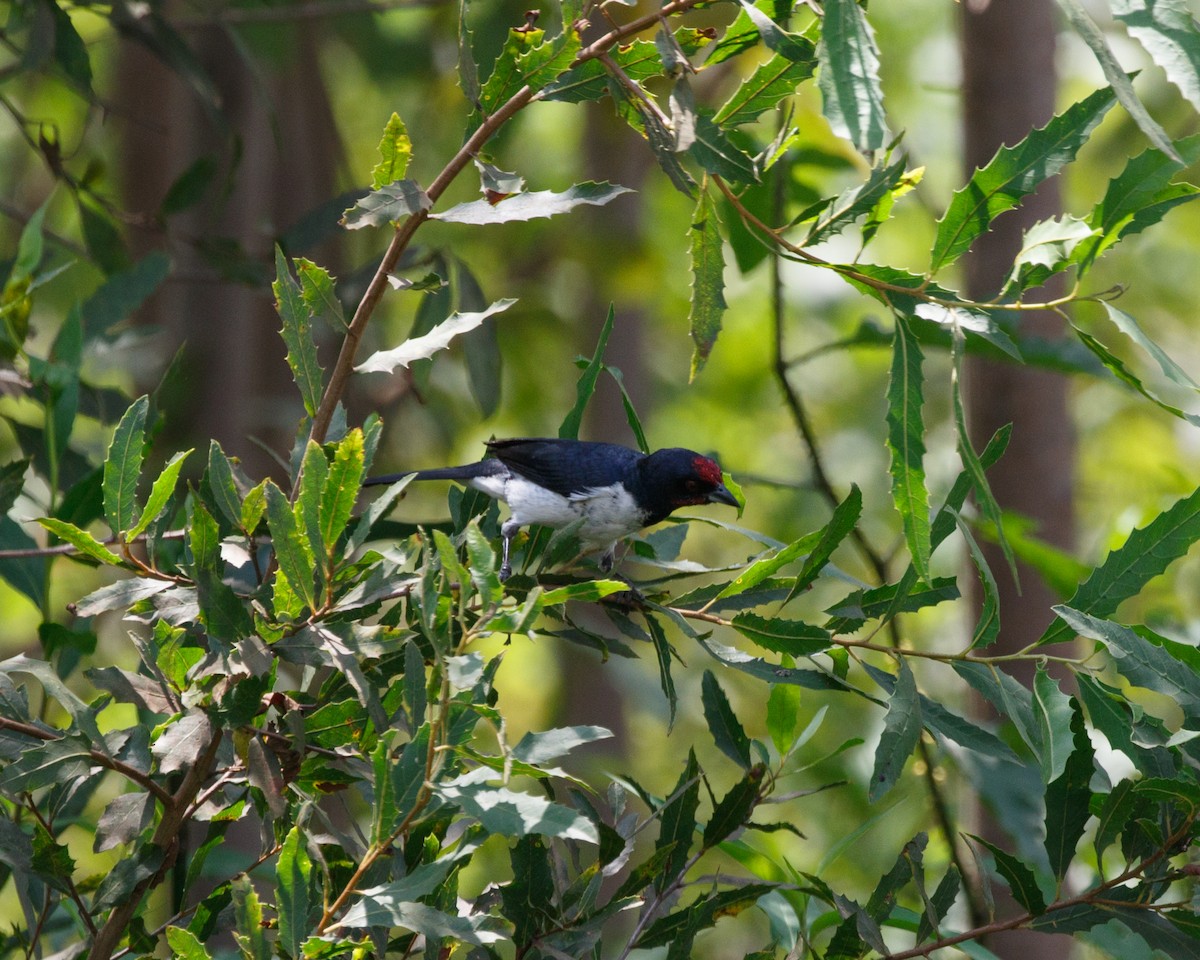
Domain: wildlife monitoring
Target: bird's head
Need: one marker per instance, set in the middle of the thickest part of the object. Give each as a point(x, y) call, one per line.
point(674, 478)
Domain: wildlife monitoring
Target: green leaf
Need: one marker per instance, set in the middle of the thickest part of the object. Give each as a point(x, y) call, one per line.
point(638, 60)
point(939, 904)
point(123, 292)
point(292, 549)
point(527, 59)
point(1019, 877)
point(901, 731)
point(341, 490)
point(1138, 197)
point(987, 628)
point(1142, 663)
point(840, 525)
point(81, 540)
point(222, 484)
point(1052, 715)
point(123, 466)
point(708, 281)
point(160, 493)
point(297, 334)
point(830, 217)
point(677, 824)
point(250, 931)
point(701, 913)
point(1068, 798)
point(293, 892)
point(663, 651)
point(184, 945)
point(723, 723)
point(1147, 552)
point(733, 811)
point(431, 923)
point(1013, 173)
point(1126, 376)
point(907, 445)
point(716, 154)
point(319, 295)
point(424, 347)
point(852, 99)
point(388, 204)
point(586, 385)
point(773, 81)
point(887, 601)
point(1048, 247)
point(531, 205)
point(1119, 81)
point(586, 590)
point(468, 69)
point(511, 814)
point(395, 151)
point(530, 898)
point(310, 491)
point(539, 749)
point(793, 637)
point(783, 715)
point(1128, 326)
point(973, 464)
point(766, 567)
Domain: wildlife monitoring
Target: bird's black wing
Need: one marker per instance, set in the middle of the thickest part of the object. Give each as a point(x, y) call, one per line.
point(565, 466)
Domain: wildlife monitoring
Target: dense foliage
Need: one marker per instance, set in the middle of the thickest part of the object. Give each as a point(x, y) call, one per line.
point(326, 675)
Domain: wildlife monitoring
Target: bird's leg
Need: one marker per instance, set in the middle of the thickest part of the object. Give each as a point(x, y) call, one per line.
point(508, 530)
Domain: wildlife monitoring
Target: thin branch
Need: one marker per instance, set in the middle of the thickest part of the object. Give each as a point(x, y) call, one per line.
point(404, 233)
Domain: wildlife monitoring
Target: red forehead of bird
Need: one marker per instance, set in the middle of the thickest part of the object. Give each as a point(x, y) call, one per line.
point(707, 470)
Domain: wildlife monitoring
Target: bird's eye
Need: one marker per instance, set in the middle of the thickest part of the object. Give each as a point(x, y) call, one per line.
point(691, 486)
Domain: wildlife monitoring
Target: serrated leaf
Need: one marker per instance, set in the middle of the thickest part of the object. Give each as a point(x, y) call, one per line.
point(513, 814)
point(632, 107)
point(1118, 79)
point(586, 590)
point(733, 810)
point(320, 296)
point(638, 60)
point(677, 823)
point(532, 204)
point(708, 281)
point(123, 466)
point(1118, 368)
point(840, 525)
point(1019, 877)
point(292, 550)
point(1013, 173)
point(723, 723)
point(1146, 553)
point(1139, 196)
point(297, 334)
point(1048, 247)
point(972, 463)
point(987, 627)
point(835, 216)
point(468, 70)
point(663, 652)
point(700, 914)
point(1068, 798)
point(341, 489)
point(1142, 663)
point(1052, 714)
point(184, 945)
point(586, 385)
point(422, 348)
point(901, 731)
point(160, 493)
point(718, 155)
point(771, 83)
point(388, 204)
point(793, 637)
point(907, 445)
point(767, 566)
point(293, 887)
point(81, 540)
point(852, 99)
point(395, 151)
point(222, 484)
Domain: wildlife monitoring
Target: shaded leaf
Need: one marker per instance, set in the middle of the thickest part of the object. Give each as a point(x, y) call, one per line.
point(123, 466)
point(1018, 876)
point(388, 204)
point(901, 731)
point(1146, 553)
point(1068, 798)
point(773, 81)
point(723, 723)
point(851, 97)
point(733, 810)
point(793, 637)
point(297, 334)
point(708, 281)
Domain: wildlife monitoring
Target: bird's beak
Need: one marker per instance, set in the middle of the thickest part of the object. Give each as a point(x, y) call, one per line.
point(722, 495)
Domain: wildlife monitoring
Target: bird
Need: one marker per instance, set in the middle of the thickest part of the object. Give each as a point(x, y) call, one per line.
point(554, 482)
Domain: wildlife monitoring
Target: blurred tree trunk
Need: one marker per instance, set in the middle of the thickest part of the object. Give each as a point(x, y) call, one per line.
point(275, 148)
point(1009, 87)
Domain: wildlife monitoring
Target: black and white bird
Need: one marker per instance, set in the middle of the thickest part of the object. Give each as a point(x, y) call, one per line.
point(613, 489)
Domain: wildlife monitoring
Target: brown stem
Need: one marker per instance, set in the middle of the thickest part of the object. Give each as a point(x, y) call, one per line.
point(166, 837)
point(405, 232)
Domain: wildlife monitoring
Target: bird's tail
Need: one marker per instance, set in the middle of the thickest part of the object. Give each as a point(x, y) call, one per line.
point(466, 472)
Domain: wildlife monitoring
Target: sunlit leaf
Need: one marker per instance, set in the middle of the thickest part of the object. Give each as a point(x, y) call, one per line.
point(395, 151)
point(422, 348)
point(160, 493)
point(123, 466)
point(531, 205)
point(852, 99)
point(388, 204)
point(1013, 173)
point(297, 334)
point(907, 445)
